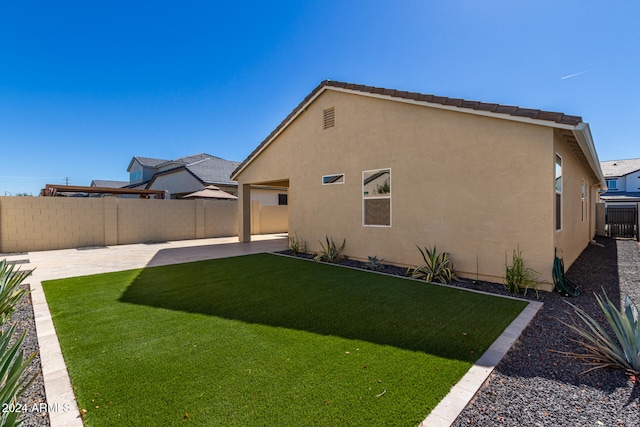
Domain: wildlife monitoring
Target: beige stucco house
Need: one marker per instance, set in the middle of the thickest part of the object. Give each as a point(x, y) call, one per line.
point(387, 170)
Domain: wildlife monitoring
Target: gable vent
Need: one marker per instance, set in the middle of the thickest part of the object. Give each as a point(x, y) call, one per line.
point(329, 118)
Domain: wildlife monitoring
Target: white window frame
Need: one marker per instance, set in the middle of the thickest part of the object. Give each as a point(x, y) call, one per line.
point(332, 175)
point(558, 210)
point(389, 196)
point(584, 201)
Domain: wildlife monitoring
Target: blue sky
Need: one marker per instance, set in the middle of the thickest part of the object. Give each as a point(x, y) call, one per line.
point(85, 86)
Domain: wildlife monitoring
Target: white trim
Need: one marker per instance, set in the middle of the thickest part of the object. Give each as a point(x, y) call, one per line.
point(334, 183)
point(377, 198)
point(555, 200)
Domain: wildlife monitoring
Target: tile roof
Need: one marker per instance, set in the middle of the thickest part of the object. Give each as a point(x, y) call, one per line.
point(619, 167)
point(460, 103)
point(205, 167)
point(463, 104)
point(213, 170)
point(149, 161)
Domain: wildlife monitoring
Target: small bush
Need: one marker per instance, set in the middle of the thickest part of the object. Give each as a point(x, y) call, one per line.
point(297, 245)
point(374, 263)
point(436, 267)
point(517, 277)
point(621, 351)
point(330, 252)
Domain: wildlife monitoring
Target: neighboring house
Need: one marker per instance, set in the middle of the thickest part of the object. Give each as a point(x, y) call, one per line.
point(108, 184)
point(186, 175)
point(623, 182)
point(387, 170)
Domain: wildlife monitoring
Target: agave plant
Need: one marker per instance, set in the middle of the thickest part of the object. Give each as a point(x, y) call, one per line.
point(436, 267)
point(374, 263)
point(10, 290)
point(13, 382)
point(330, 252)
point(604, 350)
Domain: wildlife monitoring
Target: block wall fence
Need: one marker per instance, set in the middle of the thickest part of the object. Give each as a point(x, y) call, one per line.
point(48, 223)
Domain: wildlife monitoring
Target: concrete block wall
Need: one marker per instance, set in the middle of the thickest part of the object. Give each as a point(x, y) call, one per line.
point(220, 218)
point(39, 223)
point(47, 223)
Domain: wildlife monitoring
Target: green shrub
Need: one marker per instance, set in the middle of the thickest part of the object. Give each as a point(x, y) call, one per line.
point(436, 267)
point(518, 277)
point(330, 252)
point(374, 263)
point(12, 363)
point(621, 351)
point(297, 245)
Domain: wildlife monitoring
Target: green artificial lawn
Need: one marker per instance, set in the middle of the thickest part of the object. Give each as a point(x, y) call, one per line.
point(267, 340)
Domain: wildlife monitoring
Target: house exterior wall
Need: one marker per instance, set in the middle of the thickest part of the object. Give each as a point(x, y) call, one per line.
point(180, 182)
point(48, 223)
point(577, 228)
point(477, 187)
point(266, 197)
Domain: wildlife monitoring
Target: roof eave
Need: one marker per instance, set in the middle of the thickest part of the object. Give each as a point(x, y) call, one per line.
point(582, 132)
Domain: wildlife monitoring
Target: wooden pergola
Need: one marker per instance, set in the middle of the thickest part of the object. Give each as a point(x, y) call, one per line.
point(52, 190)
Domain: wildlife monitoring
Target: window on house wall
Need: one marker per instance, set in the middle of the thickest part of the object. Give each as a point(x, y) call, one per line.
point(376, 197)
point(585, 205)
point(283, 199)
point(558, 192)
point(612, 184)
point(333, 179)
point(328, 118)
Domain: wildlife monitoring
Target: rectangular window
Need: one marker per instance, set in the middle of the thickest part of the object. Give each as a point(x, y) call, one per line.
point(333, 179)
point(612, 184)
point(376, 197)
point(558, 192)
point(585, 206)
point(283, 199)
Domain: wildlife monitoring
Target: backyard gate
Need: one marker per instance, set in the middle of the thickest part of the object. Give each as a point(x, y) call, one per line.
point(622, 222)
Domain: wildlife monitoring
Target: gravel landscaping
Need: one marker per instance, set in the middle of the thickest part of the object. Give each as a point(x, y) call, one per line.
point(533, 385)
point(33, 401)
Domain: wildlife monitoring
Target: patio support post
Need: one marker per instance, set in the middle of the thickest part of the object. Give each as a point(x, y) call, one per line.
point(244, 212)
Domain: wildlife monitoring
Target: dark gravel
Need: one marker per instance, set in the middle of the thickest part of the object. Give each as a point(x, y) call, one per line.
point(34, 414)
point(534, 386)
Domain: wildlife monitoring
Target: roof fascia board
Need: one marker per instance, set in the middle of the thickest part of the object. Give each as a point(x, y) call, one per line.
point(582, 132)
point(547, 123)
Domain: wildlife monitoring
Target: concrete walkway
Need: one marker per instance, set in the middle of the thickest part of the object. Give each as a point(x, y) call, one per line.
point(81, 262)
point(59, 264)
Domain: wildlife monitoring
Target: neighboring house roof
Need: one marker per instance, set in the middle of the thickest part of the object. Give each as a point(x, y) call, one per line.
point(612, 168)
point(206, 168)
point(108, 184)
point(146, 161)
point(577, 130)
